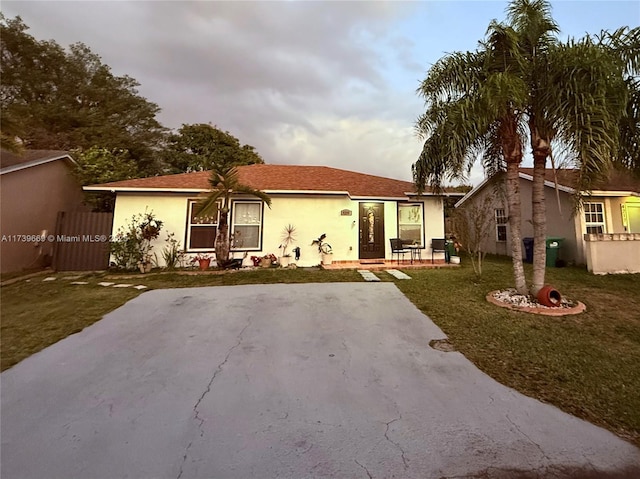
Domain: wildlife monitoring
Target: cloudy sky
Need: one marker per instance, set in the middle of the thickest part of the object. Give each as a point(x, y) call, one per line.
point(317, 83)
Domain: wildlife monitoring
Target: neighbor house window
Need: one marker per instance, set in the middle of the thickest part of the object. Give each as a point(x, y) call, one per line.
point(201, 231)
point(246, 225)
point(594, 217)
point(410, 223)
point(501, 225)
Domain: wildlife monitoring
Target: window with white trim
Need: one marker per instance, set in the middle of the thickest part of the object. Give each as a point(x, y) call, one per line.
point(201, 231)
point(501, 224)
point(410, 223)
point(594, 217)
point(246, 225)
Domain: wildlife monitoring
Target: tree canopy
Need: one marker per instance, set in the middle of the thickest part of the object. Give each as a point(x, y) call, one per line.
point(202, 146)
point(54, 98)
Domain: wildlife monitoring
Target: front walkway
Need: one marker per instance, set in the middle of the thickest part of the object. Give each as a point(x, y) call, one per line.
point(388, 264)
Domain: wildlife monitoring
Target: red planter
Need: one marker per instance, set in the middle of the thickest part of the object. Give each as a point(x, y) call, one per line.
point(204, 263)
point(549, 296)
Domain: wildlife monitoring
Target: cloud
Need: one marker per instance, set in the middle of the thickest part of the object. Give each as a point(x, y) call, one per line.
point(315, 82)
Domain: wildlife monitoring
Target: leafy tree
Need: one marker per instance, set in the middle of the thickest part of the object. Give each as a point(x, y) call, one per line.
point(195, 147)
point(69, 99)
point(224, 183)
point(473, 226)
point(101, 165)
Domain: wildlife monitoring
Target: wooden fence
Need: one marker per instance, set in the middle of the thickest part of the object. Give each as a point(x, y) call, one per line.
point(81, 241)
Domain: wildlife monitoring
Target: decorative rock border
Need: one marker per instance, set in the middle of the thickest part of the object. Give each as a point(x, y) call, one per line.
point(579, 308)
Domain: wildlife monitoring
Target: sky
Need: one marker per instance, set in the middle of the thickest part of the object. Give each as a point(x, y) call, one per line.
point(314, 83)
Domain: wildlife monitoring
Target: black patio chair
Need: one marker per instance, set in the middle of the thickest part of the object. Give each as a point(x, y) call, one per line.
point(398, 249)
point(439, 245)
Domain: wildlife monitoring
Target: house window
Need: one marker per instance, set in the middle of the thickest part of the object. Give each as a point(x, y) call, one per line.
point(246, 225)
point(201, 231)
point(410, 223)
point(501, 225)
point(594, 217)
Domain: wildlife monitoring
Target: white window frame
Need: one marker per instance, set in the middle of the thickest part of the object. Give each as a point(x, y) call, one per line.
point(407, 205)
point(190, 205)
point(588, 218)
point(259, 224)
point(502, 220)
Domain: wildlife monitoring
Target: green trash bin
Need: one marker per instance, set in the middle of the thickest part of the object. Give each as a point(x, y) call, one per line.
point(451, 250)
point(553, 249)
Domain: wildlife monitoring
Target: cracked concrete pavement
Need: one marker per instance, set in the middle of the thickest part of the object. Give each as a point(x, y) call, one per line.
point(281, 381)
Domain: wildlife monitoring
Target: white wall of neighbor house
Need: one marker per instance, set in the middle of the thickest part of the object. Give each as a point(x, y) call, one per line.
point(311, 217)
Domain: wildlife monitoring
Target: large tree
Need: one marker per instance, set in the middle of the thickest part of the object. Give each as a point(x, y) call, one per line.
point(224, 183)
point(474, 104)
point(579, 94)
point(101, 165)
point(66, 99)
point(197, 146)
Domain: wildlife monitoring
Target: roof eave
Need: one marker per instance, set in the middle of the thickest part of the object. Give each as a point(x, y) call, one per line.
point(38, 162)
point(614, 193)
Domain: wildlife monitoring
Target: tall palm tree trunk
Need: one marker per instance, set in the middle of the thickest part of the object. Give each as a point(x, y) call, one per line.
point(539, 215)
point(512, 153)
point(515, 226)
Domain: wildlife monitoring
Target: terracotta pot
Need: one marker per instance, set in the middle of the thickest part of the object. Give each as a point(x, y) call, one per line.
point(265, 263)
point(204, 263)
point(549, 296)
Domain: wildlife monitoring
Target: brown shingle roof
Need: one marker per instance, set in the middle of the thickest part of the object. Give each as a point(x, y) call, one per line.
point(618, 180)
point(281, 178)
point(11, 159)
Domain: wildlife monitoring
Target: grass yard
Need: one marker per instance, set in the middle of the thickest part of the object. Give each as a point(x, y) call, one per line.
point(588, 365)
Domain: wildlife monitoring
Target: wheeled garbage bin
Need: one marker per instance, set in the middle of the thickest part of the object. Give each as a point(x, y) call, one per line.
point(553, 249)
point(528, 249)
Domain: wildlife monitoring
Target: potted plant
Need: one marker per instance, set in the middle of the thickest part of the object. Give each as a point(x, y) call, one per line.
point(288, 237)
point(203, 260)
point(324, 249)
point(265, 261)
point(146, 263)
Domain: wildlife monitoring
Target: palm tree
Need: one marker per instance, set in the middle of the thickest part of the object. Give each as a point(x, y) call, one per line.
point(578, 96)
point(224, 183)
point(474, 107)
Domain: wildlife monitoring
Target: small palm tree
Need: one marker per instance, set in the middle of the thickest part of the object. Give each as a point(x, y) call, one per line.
point(224, 183)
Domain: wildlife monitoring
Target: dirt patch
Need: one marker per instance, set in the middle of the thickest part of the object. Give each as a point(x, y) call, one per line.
point(442, 345)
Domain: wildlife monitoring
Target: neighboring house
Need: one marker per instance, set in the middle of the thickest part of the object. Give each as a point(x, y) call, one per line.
point(358, 212)
point(610, 207)
point(34, 187)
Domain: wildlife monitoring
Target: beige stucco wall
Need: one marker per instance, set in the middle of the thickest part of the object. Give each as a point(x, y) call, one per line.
point(613, 253)
point(311, 217)
point(30, 201)
point(562, 220)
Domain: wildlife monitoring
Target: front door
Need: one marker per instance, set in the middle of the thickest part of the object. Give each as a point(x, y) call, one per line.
point(371, 230)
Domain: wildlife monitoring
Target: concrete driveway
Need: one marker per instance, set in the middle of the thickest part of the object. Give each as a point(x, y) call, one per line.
point(281, 381)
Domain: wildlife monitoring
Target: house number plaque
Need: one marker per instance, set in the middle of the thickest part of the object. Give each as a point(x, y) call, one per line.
point(345, 213)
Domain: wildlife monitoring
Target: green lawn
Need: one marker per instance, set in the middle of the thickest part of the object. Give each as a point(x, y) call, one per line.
point(588, 365)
